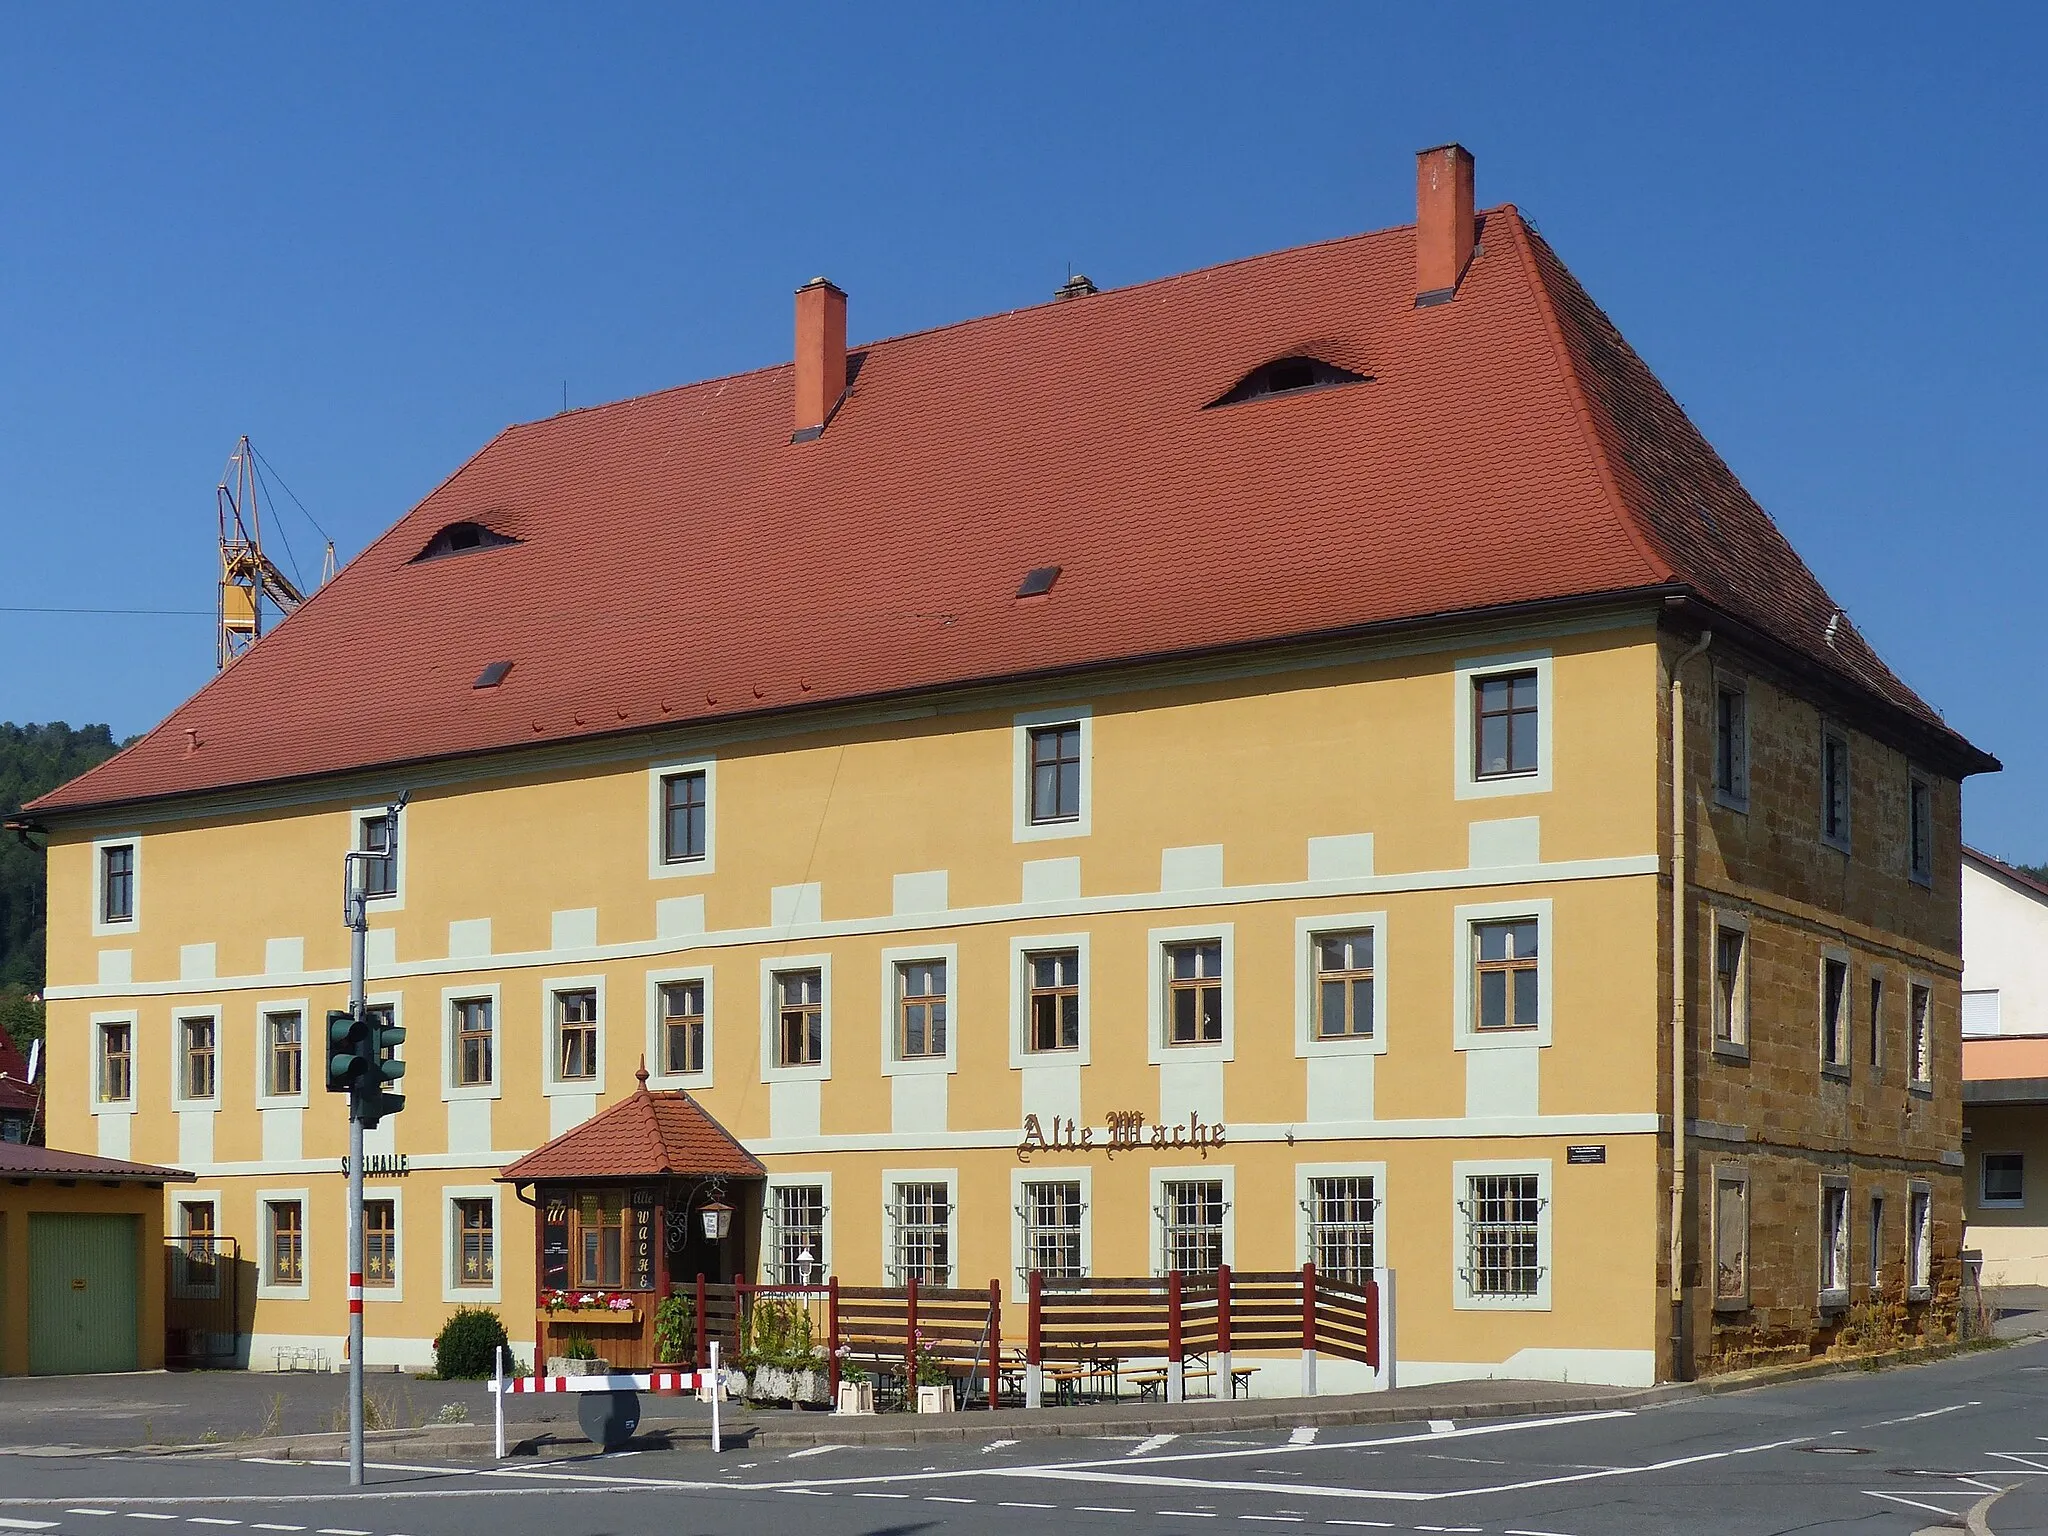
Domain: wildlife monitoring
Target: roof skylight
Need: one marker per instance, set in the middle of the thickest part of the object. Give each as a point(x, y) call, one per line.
point(1288, 376)
point(460, 538)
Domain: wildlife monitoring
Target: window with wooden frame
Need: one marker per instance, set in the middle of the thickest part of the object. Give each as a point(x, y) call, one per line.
point(800, 1018)
point(286, 1220)
point(1920, 1034)
point(799, 1233)
point(1876, 1047)
point(1194, 993)
point(599, 1239)
point(196, 1056)
point(1919, 830)
point(476, 1245)
point(1834, 1242)
point(1731, 1240)
point(473, 1046)
point(1055, 767)
point(1834, 787)
point(1054, 1003)
point(198, 1254)
point(117, 883)
point(1731, 984)
point(1191, 1221)
point(379, 873)
point(1342, 1214)
point(576, 1035)
point(380, 1243)
point(117, 1062)
point(1834, 1013)
point(682, 1026)
point(1344, 985)
point(924, 1244)
point(1506, 982)
point(920, 1010)
point(284, 1035)
point(1506, 717)
point(1731, 745)
point(1052, 1228)
point(685, 804)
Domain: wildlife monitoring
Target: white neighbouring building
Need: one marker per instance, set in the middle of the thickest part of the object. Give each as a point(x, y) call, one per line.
point(2005, 1070)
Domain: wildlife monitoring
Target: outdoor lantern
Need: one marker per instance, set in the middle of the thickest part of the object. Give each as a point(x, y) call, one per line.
point(717, 1220)
point(804, 1260)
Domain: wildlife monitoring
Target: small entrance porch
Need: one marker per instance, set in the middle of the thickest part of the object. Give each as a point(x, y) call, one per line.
point(630, 1207)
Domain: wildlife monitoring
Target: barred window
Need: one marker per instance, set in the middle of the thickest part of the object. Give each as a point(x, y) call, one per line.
point(1052, 1229)
point(576, 1034)
point(1341, 1215)
point(1055, 978)
point(799, 1233)
point(1191, 1214)
point(1502, 1213)
point(380, 1242)
point(924, 1249)
point(1344, 984)
point(682, 1026)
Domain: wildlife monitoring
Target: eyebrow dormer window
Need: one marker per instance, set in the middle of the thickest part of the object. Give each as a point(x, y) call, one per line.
point(460, 539)
point(1287, 376)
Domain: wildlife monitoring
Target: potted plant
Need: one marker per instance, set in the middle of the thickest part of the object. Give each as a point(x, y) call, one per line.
point(856, 1386)
point(934, 1386)
point(578, 1358)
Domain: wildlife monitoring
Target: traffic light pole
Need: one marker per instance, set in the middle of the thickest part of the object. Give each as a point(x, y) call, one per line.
point(358, 941)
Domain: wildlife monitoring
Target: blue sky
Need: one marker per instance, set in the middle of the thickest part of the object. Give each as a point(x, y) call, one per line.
point(369, 237)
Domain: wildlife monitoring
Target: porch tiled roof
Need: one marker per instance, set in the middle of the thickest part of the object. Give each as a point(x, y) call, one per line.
point(26, 1162)
point(645, 1134)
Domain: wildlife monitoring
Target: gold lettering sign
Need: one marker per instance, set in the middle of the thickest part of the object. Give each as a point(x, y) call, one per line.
point(1123, 1130)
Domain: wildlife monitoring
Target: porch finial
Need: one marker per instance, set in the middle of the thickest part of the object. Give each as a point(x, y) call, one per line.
point(641, 1076)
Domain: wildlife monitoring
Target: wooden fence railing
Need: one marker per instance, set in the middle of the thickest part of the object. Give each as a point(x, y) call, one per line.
point(1067, 1324)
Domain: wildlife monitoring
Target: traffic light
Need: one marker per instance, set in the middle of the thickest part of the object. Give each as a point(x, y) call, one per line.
point(381, 1066)
point(346, 1038)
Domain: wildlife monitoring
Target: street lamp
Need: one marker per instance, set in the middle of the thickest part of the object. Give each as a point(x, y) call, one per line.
point(717, 1219)
point(805, 1262)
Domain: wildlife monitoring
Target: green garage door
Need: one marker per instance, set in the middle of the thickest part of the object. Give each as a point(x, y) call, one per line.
point(81, 1293)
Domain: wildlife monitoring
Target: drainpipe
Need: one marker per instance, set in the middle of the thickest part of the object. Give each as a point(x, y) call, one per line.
point(1680, 1366)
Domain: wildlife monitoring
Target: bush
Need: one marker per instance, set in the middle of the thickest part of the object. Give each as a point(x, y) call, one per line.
point(467, 1347)
point(674, 1329)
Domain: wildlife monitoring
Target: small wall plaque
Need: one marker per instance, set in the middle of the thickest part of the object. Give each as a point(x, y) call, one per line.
point(1585, 1154)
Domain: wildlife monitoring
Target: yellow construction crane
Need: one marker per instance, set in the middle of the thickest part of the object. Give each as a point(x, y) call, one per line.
point(249, 578)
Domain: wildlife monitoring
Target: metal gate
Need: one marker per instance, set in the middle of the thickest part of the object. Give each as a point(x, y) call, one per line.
point(200, 1302)
point(82, 1292)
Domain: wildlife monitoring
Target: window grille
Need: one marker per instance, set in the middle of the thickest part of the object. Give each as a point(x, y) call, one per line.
point(799, 1233)
point(1503, 1212)
point(1052, 1229)
point(1191, 1221)
point(1341, 1216)
point(923, 1241)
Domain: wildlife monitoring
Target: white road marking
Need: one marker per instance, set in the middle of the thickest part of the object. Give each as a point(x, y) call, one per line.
point(1378, 1525)
point(1442, 1427)
point(209, 1520)
point(1935, 1509)
point(146, 1514)
point(1532, 1533)
point(996, 1445)
point(1187, 1514)
point(940, 1498)
point(1018, 1504)
point(88, 1511)
point(866, 1494)
point(329, 1530)
point(1147, 1446)
point(28, 1525)
point(1914, 1418)
point(261, 1527)
point(815, 1450)
point(1104, 1509)
point(1305, 1435)
point(1279, 1519)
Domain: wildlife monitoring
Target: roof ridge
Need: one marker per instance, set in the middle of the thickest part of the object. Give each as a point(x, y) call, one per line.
point(1582, 409)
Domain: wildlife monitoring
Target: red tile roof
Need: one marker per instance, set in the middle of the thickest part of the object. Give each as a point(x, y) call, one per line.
point(643, 1135)
point(680, 560)
point(26, 1162)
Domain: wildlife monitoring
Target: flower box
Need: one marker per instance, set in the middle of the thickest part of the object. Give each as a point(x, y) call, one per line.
point(589, 1317)
point(856, 1397)
point(935, 1399)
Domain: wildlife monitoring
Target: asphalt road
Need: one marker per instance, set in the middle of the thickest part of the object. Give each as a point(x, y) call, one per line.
point(1883, 1453)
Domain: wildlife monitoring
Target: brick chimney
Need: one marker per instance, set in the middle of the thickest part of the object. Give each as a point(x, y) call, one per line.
point(1444, 226)
point(820, 356)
